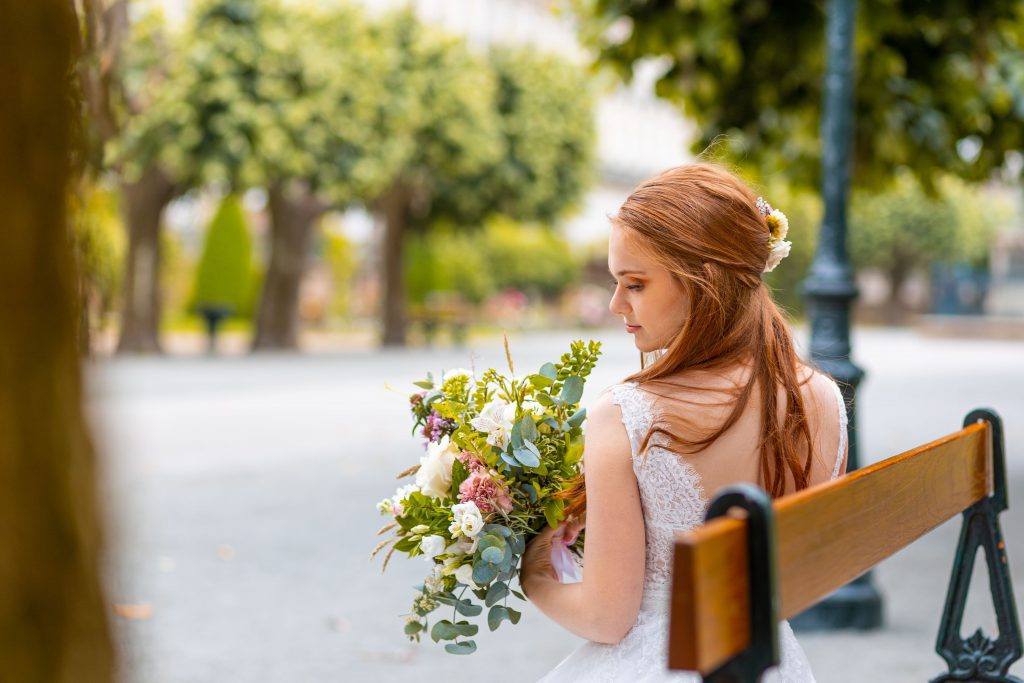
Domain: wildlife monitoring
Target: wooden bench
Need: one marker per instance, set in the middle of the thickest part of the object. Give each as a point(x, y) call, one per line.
point(736, 576)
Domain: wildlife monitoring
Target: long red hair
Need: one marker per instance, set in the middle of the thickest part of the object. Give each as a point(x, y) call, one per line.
point(702, 224)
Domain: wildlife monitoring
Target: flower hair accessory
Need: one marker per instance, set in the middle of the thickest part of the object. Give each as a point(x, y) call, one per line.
point(778, 228)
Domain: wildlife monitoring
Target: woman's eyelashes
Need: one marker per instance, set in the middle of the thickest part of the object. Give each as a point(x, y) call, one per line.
point(634, 288)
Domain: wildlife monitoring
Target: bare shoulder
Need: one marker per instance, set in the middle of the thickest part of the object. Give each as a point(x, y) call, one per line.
point(818, 386)
point(605, 431)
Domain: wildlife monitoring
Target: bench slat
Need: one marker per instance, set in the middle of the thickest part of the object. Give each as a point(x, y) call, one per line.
point(826, 536)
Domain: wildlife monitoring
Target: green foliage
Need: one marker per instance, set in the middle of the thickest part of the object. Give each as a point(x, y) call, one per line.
point(339, 255)
point(547, 161)
point(530, 258)
point(928, 77)
point(224, 275)
point(257, 92)
point(901, 229)
point(99, 245)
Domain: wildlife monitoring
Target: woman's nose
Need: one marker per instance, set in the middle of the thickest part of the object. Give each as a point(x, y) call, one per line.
point(616, 305)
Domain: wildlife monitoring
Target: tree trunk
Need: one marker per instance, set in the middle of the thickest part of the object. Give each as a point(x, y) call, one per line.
point(293, 214)
point(393, 210)
point(53, 614)
point(143, 205)
point(895, 309)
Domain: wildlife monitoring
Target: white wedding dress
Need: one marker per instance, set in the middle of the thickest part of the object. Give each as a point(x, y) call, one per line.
point(673, 499)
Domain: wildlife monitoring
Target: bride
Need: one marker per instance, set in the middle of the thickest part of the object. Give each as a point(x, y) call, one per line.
point(725, 400)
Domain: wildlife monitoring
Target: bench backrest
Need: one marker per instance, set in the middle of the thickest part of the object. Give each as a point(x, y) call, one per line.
point(825, 537)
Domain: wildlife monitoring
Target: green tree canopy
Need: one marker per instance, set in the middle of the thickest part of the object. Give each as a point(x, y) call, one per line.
point(940, 86)
point(224, 275)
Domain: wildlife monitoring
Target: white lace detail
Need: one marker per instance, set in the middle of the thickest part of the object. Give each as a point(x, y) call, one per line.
point(841, 406)
point(673, 499)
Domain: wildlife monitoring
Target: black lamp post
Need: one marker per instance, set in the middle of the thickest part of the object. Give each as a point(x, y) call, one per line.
point(830, 290)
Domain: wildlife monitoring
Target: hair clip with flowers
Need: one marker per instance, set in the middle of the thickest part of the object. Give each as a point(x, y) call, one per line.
point(778, 228)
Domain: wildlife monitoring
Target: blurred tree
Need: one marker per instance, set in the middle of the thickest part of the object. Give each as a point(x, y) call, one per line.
point(291, 98)
point(340, 257)
point(223, 279)
point(447, 260)
point(456, 138)
point(529, 258)
point(899, 231)
point(99, 248)
point(53, 613)
point(940, 86)
point(120, 63)
point(487, 143)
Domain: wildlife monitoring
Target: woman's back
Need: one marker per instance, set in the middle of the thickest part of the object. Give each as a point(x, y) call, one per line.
point(701, 401)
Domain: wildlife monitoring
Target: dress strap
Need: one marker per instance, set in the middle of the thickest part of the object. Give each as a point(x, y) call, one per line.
point(637, 411)
point(841, 405)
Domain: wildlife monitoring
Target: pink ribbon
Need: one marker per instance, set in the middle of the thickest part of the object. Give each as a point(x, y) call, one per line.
point(564, 562)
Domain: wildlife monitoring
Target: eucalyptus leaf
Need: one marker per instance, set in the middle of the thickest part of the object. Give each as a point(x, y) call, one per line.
point(492, 555)
point(572, 390)
point(465, 647)
point(518, 544)
point(527, 457)
point(517, 436)
point(528, 428)
point(414, 627)
point(443, 630)
point(549, 371)
point(578, 417)
point(484, 573)
point(468, 609)
point(496, 593)
point(464, 628)
point(497, 615)
point(513, 615)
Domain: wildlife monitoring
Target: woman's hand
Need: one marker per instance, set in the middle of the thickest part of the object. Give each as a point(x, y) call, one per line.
point(536, 565)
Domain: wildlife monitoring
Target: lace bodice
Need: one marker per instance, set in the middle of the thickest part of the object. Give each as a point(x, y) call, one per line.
point(673, 499)
point(670, 489)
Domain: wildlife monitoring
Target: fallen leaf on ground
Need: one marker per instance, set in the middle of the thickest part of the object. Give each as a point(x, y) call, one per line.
point(142, 610)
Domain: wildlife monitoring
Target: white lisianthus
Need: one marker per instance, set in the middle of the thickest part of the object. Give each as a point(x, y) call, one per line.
point(435, 474)
point(401, 494)
point(464, 575)
point(496, 420)
point(432, 546)
point(386, 507)
point(420, 529)
point(468, 520)
point(775, 256)
point(462, 546)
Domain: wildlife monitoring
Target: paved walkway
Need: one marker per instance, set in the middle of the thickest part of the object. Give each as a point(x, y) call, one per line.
point(242, 494)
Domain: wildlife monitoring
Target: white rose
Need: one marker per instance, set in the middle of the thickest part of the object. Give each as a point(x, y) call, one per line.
point(775, 256)
point(435, 474)
point(432, 546)
point(464, 575)
point(468, 520)
point(496, 420)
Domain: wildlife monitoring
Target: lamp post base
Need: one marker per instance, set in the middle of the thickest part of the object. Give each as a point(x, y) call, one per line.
point(855, 606)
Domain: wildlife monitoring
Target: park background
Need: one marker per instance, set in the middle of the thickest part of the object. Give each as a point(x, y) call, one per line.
point(351, 194)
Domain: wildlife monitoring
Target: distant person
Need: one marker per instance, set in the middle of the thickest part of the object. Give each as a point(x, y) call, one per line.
point(723, 400)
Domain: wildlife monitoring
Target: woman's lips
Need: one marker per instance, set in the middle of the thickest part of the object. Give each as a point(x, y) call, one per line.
point(632, 328)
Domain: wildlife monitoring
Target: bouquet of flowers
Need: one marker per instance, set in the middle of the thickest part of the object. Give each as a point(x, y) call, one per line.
point(498, 450)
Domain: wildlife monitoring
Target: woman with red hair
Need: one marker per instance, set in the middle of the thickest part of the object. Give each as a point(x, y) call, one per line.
point(721, 398)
